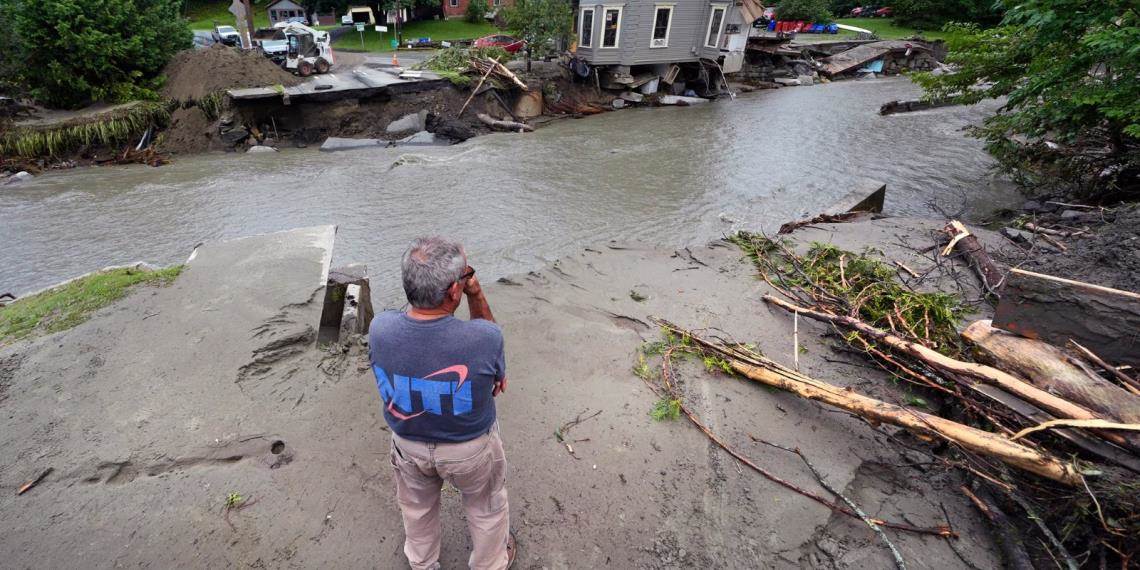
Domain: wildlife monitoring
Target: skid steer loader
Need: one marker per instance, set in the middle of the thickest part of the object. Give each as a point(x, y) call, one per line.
point(308, 51)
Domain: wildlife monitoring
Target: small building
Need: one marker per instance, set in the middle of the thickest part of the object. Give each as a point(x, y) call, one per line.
point(362, 15)
point(282, 10)
point(634, 38)
point(458, 8)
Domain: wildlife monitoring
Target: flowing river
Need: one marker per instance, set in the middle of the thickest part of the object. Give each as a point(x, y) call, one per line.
point(662, 176)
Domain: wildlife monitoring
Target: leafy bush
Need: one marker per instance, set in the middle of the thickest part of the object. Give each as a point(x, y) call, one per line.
point(542, 23)
point(933, 14)
point(806, 10)
point(75, 52)
point(1070, 73)
point(476, 11)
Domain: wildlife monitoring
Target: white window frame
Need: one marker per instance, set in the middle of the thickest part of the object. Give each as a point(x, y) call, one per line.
point(617, 33)
point(496, 3)
point(720, 29)
point(453, 3)
point(668, 26)
point(582, 26)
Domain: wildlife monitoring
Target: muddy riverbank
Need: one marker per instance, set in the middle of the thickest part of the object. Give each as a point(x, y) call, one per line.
point(146, 444)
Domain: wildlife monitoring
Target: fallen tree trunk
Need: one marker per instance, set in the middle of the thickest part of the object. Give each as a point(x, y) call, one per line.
point(1053, 309)
point(504, 125)
point(967, 244)
point(1050, 368)
point(1058, 406)
point(982, 442)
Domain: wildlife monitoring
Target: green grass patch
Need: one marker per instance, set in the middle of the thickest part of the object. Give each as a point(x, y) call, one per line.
point(205, 14)
point(437, 30)
point(666, 409)
point(886, 29)
point(68, 305)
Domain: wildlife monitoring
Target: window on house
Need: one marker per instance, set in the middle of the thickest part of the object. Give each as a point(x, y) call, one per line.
point(453, 3)
point(496, 2)
point(716, 18)
point(662, 19)
point(587, 28)
point(611, 25)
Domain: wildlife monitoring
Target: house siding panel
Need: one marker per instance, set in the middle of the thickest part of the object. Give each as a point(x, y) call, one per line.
point(686, 33)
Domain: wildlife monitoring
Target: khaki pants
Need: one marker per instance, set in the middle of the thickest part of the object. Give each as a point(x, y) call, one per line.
point(477, 468)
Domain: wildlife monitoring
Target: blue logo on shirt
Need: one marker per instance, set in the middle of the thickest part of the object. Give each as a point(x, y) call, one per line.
point(397, 392)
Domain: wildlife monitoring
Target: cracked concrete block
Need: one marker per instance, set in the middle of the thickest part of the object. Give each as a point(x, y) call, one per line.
point(409, 122)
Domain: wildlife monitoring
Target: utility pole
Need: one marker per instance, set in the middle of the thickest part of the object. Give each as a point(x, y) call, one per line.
point(249, 20)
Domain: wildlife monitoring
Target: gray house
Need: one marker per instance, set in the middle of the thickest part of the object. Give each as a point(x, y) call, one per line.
point(626, 37)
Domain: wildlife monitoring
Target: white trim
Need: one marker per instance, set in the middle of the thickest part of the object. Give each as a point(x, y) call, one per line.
point(668, 26)
point(582, 25)
point(453, 3)
point(617, 32)
point(720, 28)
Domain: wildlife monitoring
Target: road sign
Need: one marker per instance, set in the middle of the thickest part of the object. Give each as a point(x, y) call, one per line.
point(381, 28)
point(360, 26)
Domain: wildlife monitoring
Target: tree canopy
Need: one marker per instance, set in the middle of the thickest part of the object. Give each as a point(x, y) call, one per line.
point(542, 23)
point(73, 52)
point(806, 10)
point(932, 14)
point(1069, 71)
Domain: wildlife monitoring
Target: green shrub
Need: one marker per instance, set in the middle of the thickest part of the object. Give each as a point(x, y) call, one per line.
point(76, 52)
point(806, 10)
point(476, 11)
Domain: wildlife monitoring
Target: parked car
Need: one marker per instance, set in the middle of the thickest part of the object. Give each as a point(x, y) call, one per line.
point(227, 35)
point(346, 20)
point(512, 45)
point(884, 12)
point(298, 20)
point(856, 12)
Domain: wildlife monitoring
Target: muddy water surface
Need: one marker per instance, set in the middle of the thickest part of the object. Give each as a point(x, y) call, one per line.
point(662, 176)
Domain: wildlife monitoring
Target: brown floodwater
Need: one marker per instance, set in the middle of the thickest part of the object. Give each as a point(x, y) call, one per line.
point(666, 176)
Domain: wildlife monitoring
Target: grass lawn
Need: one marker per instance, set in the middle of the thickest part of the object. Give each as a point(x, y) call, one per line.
point(66, 306)
point(437, 30)
point(886, 29)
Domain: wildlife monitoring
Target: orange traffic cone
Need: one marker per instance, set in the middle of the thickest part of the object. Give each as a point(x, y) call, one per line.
point(395, 62)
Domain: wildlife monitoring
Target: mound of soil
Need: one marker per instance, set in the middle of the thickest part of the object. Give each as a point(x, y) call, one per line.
point(1109, 256)
point(190, 131)
point(193, 74)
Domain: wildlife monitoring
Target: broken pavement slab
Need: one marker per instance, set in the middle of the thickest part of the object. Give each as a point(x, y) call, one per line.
point(334, 144)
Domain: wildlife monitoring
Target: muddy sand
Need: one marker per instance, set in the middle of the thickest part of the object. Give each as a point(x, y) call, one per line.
point(156, 409)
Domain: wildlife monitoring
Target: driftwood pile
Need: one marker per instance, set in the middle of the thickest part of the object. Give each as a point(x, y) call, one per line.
point(1049, 431)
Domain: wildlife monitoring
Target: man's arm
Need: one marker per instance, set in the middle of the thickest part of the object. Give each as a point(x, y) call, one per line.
point(476, 301)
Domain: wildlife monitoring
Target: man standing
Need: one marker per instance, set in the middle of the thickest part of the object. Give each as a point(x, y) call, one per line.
point(438, 377)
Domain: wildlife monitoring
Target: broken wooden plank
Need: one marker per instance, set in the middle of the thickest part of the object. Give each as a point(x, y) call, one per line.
point(28, 486)
point(868, 197)
point(1054, 309)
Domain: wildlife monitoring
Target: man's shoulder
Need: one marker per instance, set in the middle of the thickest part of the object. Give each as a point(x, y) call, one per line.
point(483, 328)
point(384, 319)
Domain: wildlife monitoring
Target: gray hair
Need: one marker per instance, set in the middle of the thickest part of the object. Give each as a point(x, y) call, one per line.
point(430, 266)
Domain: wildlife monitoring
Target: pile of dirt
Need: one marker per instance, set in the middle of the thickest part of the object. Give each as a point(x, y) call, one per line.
point(193, 74)
point(1108, 255)
point(190, 131)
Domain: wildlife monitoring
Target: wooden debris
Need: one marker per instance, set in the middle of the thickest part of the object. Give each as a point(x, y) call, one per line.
point(1126, 381)
point(823, 219)
point(1094, 424)
point(490, 68)
point(1050, 231)
point(771, 373)
point(1051, 369)
point(1054, 309)
point(28, 486)
point(493, 66)
point(504, 125)
point(1011, 543)
point(939, 361)
point(969, 247)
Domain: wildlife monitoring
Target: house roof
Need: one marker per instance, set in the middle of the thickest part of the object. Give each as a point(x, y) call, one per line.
point(751, 10)
point(276, 2)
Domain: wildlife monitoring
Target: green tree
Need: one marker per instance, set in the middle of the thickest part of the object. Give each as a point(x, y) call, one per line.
point(78, 51)
point(476, 11)
point(543, 24)
point(1069, 71)
point(806, 10)
point(933, 14)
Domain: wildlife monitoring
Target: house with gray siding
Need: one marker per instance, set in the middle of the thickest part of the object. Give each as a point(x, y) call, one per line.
point(628, 36)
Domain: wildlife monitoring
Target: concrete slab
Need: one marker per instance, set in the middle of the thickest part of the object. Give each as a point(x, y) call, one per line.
point(422, 138)
point(409, 122)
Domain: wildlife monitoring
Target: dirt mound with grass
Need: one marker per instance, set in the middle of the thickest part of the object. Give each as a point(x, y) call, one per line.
point(193, 74)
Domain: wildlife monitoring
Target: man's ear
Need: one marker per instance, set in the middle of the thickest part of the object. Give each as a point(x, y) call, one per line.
point(455, 292)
